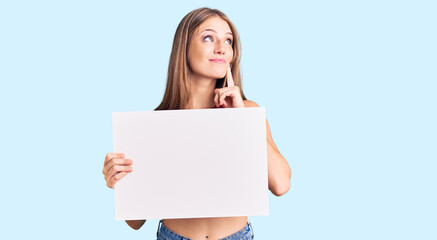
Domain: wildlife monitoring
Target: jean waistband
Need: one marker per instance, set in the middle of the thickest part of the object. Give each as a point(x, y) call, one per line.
point(247, 232)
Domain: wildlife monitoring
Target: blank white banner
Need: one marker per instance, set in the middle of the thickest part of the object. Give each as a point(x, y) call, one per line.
point(192, 163)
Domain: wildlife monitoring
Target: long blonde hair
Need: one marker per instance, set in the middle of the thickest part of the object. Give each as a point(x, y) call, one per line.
point(177, 92)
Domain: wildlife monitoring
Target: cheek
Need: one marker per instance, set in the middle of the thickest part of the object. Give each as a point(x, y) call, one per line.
point(193, 57)
point(229, 55)
point(199, 54)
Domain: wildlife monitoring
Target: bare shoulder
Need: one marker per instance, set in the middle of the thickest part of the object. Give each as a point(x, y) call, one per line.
point(248, 103)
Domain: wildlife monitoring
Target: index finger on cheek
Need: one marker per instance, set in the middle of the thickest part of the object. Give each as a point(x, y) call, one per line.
point(229, 78)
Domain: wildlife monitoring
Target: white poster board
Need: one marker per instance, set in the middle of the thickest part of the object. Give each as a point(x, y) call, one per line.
point(192, 163)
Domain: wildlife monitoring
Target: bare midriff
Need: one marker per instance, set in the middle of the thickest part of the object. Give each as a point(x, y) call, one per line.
point(206, 228)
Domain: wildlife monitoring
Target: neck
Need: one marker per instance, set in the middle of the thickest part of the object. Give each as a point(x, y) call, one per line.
point(202, 92)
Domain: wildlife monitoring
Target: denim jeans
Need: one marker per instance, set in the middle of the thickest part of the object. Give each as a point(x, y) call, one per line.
point(164, 233)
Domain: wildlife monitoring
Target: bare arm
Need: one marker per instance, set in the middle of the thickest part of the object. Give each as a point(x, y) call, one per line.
point(279, 172)
point(135, 224)
point(116, 167)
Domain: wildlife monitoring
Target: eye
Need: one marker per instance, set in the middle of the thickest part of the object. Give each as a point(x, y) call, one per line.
point(208, 37)
point(229, 40)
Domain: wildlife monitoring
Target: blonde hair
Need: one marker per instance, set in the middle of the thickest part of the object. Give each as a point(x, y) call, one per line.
point(177, 92)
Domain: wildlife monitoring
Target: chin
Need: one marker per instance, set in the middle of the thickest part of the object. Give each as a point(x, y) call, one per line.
point(214, 72)
point(220, 74)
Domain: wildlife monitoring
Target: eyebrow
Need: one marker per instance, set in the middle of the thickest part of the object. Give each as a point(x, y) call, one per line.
point(215, 31)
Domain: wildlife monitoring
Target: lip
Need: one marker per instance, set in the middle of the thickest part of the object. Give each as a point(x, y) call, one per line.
point(218, 60)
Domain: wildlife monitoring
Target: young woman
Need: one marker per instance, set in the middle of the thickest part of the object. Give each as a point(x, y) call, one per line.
point(204, 73)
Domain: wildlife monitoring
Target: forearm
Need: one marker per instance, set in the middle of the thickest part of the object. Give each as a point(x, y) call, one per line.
point(135, 224)
point(278, 170)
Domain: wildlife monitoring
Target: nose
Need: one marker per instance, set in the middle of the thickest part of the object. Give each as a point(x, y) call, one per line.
point(219, 48)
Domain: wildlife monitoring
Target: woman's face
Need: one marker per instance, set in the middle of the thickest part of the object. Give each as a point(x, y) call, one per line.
point(210, 50)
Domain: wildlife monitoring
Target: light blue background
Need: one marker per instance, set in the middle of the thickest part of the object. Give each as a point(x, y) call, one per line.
point(349, 89)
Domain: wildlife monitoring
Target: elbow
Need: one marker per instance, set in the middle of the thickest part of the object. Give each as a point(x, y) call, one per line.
point(282, 188)
point(135, 224)
point(135, 227)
